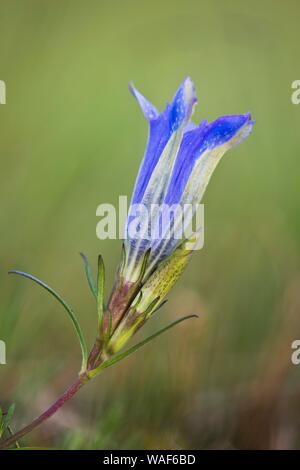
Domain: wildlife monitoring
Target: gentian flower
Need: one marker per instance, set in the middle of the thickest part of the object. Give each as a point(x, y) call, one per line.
point(179, 160)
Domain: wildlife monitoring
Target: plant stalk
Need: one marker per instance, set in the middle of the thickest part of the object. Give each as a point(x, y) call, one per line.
point(66, 396)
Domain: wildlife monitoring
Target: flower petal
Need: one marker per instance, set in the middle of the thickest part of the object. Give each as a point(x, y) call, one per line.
point(154, 175)
point(199, 154)
point(203, 143)
point(161, 128)
point(149, 111)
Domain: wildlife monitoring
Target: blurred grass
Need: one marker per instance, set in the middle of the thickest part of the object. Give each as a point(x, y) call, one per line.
point(73, 137)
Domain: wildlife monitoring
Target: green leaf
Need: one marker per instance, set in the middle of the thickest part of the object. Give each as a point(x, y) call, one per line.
point(1, 422)
point(149, 309)
point(5, 419)
point(9, 415)
point(120, 356)
point(68, 309)
point(100, 295)
point(159, 307)
point(123, 258)
point(89, 275)
point(144, 264)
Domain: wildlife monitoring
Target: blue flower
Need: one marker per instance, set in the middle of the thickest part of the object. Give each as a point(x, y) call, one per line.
point(179, 160)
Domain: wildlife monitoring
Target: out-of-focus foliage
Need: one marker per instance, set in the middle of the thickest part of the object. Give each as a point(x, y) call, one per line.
point(73, 137)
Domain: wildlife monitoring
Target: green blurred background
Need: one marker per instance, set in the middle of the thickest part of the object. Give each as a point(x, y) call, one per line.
point(73, 137)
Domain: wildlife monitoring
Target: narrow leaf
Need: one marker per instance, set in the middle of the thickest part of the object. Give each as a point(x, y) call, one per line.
point(123, 258)
point(9, 415)
point(120, 356)
point(144, 264)
point(68, 309)
point(1, 422)
point(100, 296)
point(5, 419)
point(159, 307)
point(148, 310)
point(89, 275)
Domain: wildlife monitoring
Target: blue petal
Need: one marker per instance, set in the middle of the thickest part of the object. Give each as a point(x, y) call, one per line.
point(149, 111)
point(161, 127)
point(227, 129)
point(182, 104)
point(159, 134)
point(200, 151)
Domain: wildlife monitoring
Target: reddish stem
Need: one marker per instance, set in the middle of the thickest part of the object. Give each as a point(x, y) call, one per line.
point(67, 395)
